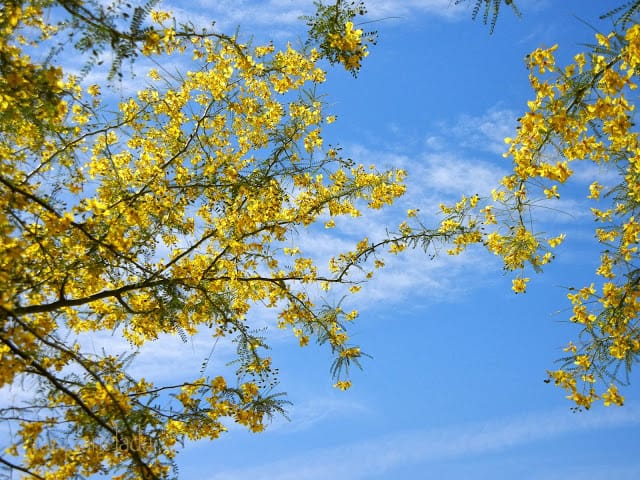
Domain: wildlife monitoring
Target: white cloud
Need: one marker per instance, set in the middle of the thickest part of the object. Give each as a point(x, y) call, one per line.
point(486, 131)
point(590, 472)
point(306, 414)
point(430, 175)
point(410, 8)
point(361, 460)
point(154, 357)
point(586, 172)
point(249, 15)
point(453, 175)
point(282, 17)
point(480, 133)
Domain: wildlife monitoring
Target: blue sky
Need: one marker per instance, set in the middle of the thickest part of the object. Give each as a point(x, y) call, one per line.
point(455, 387)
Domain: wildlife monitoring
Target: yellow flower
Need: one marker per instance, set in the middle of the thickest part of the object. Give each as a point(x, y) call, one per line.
point(519, 285)
point(93, 90)
point(583, 361)
point(611, 396)
point(552, 192)
point(343, 385)
point(554, 242)
point(350, 352)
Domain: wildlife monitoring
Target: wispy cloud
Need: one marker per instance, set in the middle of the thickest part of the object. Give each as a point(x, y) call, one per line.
point(167, 359)
point(479, 133)
point(453, 174)
point(308, 413)
point(590, 472)
point(587, 172)
point(486, 131)
point(360, 460)
point(440, 8)
point(278, 16)
point(282, 17)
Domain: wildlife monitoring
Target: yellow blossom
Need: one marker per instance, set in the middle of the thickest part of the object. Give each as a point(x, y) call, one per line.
point(520, 285)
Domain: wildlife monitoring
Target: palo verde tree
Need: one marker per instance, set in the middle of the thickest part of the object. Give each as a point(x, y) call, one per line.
point(172, 212)
point(175, 211)
point(581, 112)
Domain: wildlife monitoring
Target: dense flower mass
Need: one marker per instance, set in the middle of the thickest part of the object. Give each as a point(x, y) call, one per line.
point(173, 215)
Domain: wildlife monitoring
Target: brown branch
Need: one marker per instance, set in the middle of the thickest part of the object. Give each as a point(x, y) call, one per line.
point(13, 466)
point(50, 307)
point(43, 372)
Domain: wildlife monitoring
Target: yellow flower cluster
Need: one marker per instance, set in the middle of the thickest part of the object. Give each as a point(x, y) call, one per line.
point(350, 45)
point(167, 217)
point(580, 113)
point(583, 111)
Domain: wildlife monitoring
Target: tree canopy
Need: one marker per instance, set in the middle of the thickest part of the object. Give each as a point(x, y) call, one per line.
point(175, 210)
point(172, 213)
